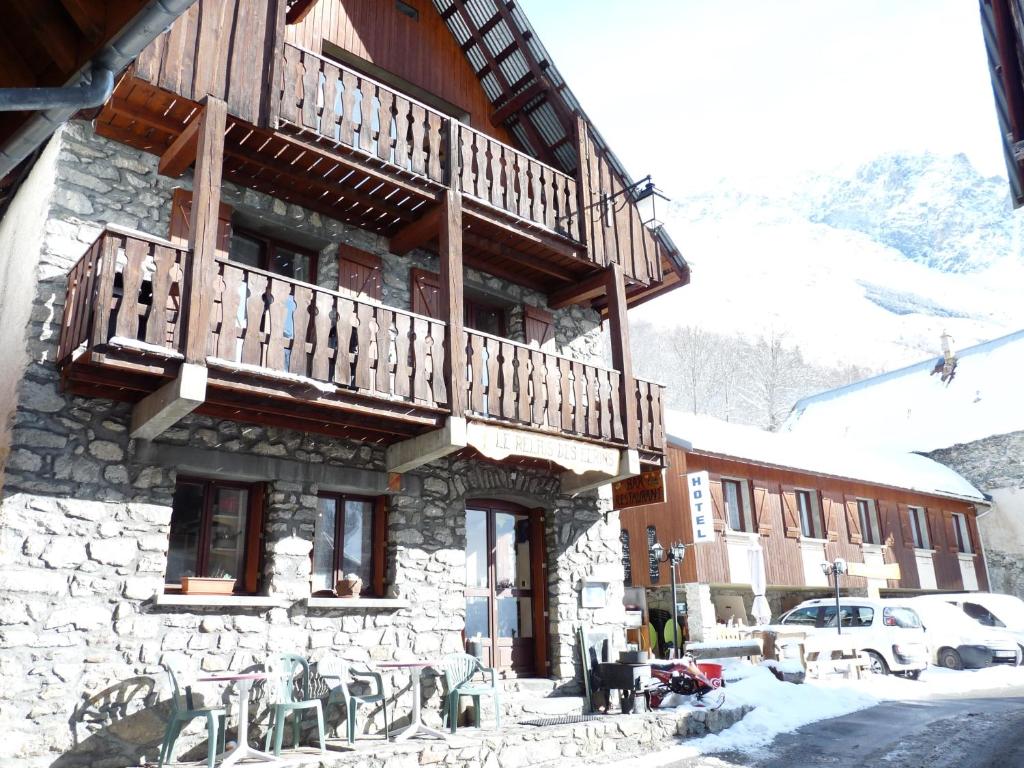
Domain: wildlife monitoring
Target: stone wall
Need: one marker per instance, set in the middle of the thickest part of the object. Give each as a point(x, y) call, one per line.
point(85, 514)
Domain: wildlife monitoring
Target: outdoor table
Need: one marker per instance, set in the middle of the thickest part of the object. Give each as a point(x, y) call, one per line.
point(416, 724)
point(243, 751)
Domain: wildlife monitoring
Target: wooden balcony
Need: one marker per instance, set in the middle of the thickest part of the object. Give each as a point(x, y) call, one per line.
point(287, 353)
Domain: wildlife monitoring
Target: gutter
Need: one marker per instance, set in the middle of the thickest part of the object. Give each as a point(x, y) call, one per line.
point(92, 84)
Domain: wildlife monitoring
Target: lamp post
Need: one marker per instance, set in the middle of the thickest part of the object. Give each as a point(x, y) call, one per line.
point(675, 554)
point(836, 568)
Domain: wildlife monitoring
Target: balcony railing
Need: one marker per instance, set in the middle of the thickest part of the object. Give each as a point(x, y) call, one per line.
point(357, 113)
point(126, 292)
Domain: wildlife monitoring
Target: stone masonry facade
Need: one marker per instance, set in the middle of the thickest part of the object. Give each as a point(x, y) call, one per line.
point(85, 511)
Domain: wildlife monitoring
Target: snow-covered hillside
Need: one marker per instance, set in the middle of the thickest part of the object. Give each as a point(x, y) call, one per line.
point(867, 270)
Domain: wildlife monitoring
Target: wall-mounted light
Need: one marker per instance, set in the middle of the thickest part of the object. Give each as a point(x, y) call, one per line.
point(647, 205)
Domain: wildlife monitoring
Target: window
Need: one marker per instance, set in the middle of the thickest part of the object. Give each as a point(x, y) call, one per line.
point(653, 566)
point(215, 532)
point(919, 527)
point(736, 496)
point(407, 10)
point(962, 533)
point(271, 255)
point(810, 515)
point(806, 617)
point(627, 559)
point(871, 531)
point(850, 615)
point(982, 615)
point(900, 617)
point(484, 316)
point(348, 539)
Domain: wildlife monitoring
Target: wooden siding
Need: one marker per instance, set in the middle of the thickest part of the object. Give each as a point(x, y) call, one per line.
point(784, 567)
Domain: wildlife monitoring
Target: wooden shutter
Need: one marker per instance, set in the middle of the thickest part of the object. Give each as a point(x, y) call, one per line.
point(379, 546)
point(254, 538)
point(830, 509)
point(762, 514)
point(425, 288)
point(790, 513)
point(906, 530)
point(539, 327)
point(853, 521)
point(359, 272)
point(718, 505)
point(181, 213)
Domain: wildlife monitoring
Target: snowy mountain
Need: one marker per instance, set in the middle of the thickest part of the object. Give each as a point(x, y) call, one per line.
point(867, 269)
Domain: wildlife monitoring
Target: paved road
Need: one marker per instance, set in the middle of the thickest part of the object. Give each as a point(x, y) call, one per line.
point(983, 731)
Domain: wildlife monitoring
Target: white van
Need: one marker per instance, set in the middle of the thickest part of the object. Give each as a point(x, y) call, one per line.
point(1002, 612)
point(957, 642)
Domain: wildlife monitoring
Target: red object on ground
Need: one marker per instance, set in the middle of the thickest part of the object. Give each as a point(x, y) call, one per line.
point(713, 672)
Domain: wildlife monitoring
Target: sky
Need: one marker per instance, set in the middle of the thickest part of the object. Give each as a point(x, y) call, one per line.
point(693, 91)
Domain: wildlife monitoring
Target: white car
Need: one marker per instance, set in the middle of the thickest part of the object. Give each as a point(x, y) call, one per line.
point(890, 635)
point(957, 642)
point(1004, 613)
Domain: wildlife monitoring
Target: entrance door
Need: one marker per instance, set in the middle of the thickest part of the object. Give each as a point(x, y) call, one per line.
point(502, 612)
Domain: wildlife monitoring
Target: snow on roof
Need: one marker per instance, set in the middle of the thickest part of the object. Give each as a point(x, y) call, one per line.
point(836, 458)
point(912, 410)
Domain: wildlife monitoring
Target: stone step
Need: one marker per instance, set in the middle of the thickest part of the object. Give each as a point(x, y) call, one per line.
point(535, 685)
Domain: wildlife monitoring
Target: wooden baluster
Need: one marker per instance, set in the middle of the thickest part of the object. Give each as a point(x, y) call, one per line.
point(127, 325)
point(466, 174)
point(402, 148)
point(477, 390)
point(420, 373)
point(329, 115)
point(570, 210)
point(403, 370)
point(508, 394)
point(419, 160)
point(644, 413)
point(252, 343)
point(551, 195)
point(343, 324)
point(434, 139)
point(536, 191)
point(603, 395)
point(322, 321)
point(493, 377)
point(364, 315)
point(300, 331)
point(311, 92)
point(483, 180)
point(437, 359)
point(566, 386)
point(387, 103)
point(367, 107)
point(539, 386)
point(658, 415)
point(346, 131)
point(523, 383)
point(156, 327)
point(523, 192)
point(216, 307)
point(289, 94)
point(105, 290)
point(231, 298)
point(494, 152)
point(277, 316)
point(615, 399)
point(382, 379)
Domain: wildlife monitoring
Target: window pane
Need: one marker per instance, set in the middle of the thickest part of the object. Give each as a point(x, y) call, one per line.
point(504, 551)
point(227, 532)
point(803, 617)
point(291, 264)
point(323, 545)
point(186, 525)
point(477, 624)
point(246, 250)
point(803, 503)
point(356, 544)
point(476, 548)
point(515, 618)
point(731, 493)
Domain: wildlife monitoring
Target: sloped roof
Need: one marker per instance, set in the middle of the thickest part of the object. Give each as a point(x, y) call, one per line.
point(912, 410)
point(832, 458)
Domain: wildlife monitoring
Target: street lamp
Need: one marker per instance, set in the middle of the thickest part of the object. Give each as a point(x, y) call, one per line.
point(673, 557)
point(836, 568)
point(646, 200)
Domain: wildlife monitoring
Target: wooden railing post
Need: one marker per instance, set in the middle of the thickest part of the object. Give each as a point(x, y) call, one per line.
point(585, 213)
point(204, 218)
point(450, 300)
point(622, 358)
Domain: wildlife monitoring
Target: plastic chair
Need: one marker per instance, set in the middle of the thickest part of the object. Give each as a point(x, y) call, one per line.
point(183, 711)
point(281, 678)
point(459, 671)
point(336, 674)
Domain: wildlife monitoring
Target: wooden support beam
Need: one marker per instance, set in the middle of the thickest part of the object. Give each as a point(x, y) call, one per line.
point(583, 192)
point(415, 234)
point(203, 223)
point(430, 446)
point(500, 249)
point(158, 412)
point(579, 293)
point(629, 466)
point(182, 151)
point(450, 301)
point(517, 102)
point(622, 356)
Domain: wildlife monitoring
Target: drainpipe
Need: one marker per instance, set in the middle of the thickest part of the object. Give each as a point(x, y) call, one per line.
point(93, 83)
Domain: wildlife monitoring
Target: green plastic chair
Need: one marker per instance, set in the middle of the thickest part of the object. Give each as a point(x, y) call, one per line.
point(459, 671)
point(183, 712)
point(669, 634)
point(338, 675)
point(281, 679)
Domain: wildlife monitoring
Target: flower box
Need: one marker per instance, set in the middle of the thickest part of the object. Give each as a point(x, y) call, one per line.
point(203, 585)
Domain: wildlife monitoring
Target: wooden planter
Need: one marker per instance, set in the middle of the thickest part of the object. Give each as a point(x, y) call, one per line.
point(349, 587)
point(200, 585)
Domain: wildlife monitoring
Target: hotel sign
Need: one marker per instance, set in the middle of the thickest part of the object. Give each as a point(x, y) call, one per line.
point(699, 490)
point(499, 443)
point(646, 488)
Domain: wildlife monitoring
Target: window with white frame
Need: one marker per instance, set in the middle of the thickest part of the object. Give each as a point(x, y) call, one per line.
point(736, 496)
point(962, 533)
point(870, 530)
point(919, 527)
point(811, 524)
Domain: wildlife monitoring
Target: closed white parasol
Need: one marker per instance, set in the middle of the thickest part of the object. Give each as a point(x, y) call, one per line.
point(761, 611)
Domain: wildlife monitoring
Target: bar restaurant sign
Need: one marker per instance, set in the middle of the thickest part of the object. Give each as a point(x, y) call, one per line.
point(699, 490)
point(646, 488)
point(499, 443)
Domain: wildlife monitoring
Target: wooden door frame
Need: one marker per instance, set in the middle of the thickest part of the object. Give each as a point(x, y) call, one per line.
point(538, 573)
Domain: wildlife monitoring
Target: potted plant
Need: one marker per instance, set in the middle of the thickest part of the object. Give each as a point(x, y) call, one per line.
point(349, 586)
point(219, 583)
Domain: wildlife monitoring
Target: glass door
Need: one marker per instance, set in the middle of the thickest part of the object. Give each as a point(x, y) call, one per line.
point(499, 588)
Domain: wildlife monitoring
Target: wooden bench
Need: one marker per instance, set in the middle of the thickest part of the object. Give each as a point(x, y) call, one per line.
point(724, 649)
point(828, 655)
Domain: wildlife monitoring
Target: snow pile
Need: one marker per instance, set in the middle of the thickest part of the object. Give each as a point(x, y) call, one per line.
point(938, 682)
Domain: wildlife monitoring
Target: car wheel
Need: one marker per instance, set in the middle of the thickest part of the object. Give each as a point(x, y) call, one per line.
point(1020, 655)
point(912, 674)
point(950, 659)
point(878, 665)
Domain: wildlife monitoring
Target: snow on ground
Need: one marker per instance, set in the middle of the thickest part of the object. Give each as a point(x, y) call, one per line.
point(783, 707)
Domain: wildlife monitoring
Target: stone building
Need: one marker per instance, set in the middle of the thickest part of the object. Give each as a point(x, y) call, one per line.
point(251, 354)
point(973, 423)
